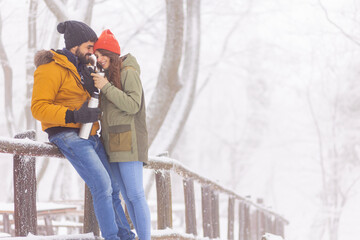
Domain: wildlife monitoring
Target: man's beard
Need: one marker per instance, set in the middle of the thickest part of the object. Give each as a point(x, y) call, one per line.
point(82, 57)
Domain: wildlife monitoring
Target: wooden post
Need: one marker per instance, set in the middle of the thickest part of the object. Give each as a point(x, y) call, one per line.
point(206, 211)
point(268, 224)
point(247, 227)
point(6, 223)
point(190, 213)
point(215, 216)
point(164, 204)
point(256, 228)
point(241, 221)
point(273, 225)
point(231, 216)
point(90, 222)
point(281, 229)
point(25, 191)
point(48, 225)
point(260, 219)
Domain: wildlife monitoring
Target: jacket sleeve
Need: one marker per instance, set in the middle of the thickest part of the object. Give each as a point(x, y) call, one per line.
point(47, 83)
point(129, 99)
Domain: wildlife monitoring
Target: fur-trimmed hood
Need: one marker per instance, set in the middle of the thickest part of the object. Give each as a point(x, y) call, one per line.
point(43, 57)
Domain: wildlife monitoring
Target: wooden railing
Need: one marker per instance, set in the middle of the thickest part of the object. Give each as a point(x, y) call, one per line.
point(253, 220)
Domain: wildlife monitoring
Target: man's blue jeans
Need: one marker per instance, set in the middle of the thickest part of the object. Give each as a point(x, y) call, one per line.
point(127, 177)
point(89, 159)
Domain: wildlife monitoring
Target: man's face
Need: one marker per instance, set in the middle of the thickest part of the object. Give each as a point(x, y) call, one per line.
point(84, 51)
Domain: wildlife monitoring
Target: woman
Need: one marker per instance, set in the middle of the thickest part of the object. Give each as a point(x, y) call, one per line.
point(123, 127)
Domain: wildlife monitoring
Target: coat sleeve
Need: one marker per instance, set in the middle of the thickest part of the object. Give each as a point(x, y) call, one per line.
point(129, 99)
point(47, 82)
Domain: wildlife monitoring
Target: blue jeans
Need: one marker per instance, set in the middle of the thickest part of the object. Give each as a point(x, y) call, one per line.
point(89, 159)
point(127, 177)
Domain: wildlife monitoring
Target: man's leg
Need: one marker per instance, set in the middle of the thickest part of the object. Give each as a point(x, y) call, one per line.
point(82, 155)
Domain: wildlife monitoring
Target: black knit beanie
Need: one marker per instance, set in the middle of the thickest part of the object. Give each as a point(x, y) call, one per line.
point(76, 33)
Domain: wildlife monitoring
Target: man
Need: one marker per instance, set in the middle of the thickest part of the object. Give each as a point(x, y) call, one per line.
point(59, 102)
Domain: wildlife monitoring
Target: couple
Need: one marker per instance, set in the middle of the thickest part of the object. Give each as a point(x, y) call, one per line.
point(62, 86)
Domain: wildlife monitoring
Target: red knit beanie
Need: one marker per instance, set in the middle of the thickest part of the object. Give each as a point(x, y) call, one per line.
point(108, 42)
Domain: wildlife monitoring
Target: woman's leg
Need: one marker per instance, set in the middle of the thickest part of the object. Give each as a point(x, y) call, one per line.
point(131, 185)
point(124, 230)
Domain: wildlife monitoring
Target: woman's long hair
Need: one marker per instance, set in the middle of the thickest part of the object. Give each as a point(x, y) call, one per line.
point(113, 72)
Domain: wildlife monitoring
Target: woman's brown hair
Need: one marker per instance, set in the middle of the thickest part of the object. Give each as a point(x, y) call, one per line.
point(113, 72)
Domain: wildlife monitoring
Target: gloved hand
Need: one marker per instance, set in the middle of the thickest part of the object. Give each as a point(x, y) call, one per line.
point(87, 79)
point(86, 114)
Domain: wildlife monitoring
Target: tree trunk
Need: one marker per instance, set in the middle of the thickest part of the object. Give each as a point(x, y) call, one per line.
point(30, 121)
point(184, 101)
point(168, 80)
point(8, 77)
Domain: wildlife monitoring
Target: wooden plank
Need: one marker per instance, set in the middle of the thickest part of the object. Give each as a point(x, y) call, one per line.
point(231, 217)
point(206, 211)
point(90, 222)
point(164, 202)
point(25, 191)
point(190, 211)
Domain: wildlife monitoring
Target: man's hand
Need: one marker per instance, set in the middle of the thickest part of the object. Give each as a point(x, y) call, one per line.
point(86, 114)
point(87, 79)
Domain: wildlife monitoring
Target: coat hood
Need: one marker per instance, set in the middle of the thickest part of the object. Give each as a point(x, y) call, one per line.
point(130, 61)
point(46, 56)
point(43, 57)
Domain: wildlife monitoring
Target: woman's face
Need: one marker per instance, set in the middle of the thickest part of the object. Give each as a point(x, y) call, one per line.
point(103, 60)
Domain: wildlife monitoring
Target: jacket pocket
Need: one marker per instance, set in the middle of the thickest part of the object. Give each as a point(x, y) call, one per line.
point(120, 138)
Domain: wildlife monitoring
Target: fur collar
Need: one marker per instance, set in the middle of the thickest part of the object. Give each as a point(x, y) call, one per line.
point(43, 57)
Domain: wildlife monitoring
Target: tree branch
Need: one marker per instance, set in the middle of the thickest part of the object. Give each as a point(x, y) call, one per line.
point(348, 36)
point(57, 8)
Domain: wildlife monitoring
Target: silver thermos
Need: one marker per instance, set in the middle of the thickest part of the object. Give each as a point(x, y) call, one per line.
point(85, 128)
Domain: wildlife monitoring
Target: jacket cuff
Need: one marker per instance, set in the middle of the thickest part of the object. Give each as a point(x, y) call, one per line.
point(106, 87)
point(69, 117)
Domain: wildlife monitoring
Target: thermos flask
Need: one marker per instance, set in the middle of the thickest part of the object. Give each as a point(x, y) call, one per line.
point(85, 128)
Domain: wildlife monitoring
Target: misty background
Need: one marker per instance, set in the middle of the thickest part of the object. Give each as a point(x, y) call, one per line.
point(262, 96)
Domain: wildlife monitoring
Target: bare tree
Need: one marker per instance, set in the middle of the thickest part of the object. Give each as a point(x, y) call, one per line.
point(8, 76)
point(168, 80)
point(61, 10)
point(30, 121)
point(337, 158)
point(184, 101)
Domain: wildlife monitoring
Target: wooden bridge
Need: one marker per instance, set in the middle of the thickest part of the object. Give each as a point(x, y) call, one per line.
point(252, 219)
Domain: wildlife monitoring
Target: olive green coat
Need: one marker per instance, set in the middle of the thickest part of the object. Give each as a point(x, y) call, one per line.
point(123, 123)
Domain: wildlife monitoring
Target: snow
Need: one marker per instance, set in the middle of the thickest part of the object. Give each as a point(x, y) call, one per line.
point(174, 233)
point(40, 206)
point(30, 236)
point(269, 236)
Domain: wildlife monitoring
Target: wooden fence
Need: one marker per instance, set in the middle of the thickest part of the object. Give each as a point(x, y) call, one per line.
point(252, 219)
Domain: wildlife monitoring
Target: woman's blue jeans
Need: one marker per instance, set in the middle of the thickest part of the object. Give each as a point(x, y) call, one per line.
point(89, 159)
point(127, 177)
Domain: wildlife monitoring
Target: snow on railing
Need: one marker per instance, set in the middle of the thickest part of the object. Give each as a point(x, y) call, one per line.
point(254, 220)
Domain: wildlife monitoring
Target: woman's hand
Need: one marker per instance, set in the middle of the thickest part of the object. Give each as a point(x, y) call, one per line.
point(99, 81)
